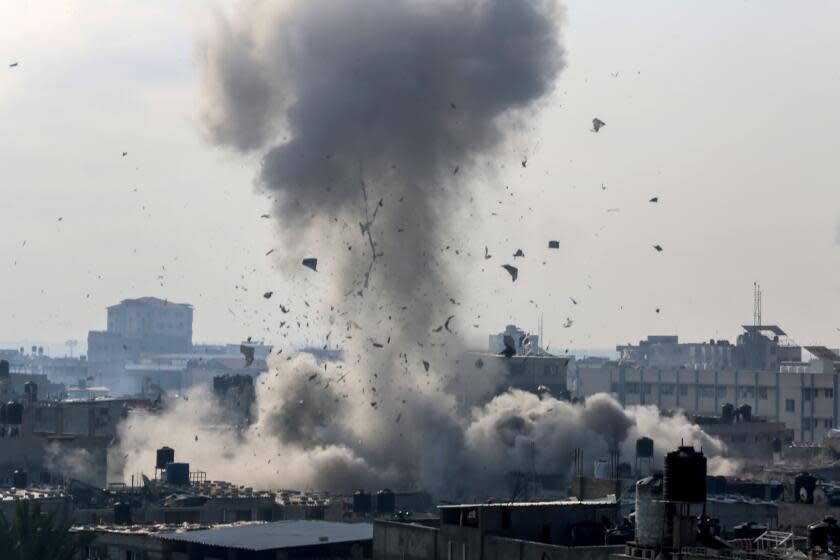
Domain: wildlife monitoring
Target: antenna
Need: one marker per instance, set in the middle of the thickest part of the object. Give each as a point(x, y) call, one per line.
point(541, 341)
point(756, 304)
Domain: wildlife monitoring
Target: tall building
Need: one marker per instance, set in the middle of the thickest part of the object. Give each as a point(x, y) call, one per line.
point(525, 343)
point(138, 327)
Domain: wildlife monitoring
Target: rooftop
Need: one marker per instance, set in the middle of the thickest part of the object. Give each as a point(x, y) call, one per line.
point(603, 502)
point(279, 534)
point(153, 301)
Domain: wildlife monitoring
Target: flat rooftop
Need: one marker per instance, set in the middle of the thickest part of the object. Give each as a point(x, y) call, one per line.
point(555, 503)
point(279, 534)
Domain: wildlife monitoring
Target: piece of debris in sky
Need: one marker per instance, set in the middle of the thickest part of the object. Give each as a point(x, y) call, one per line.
point(269, 252)
point(518, 253)
point(567, 323)
point(455, 171)
point(446, 324)
point(124, 154)
point(311, 263)
point(487, 254)
point(268, 295)
point(657, 310)
point(573, 300)
point(553, 244)
point(266, 216)
point(13, 65)
point(655, 199)
point(248, 352)
point(510, 347)
point(597, 124)
point(525, 162)
point(512, 270)
point(658, 248)
point(283, 308)
point(426, 365)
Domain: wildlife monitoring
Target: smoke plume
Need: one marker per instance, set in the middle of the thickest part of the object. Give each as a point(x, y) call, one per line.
point(368, 117)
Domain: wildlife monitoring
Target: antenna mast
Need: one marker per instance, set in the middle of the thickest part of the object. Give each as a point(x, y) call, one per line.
point(756, 304)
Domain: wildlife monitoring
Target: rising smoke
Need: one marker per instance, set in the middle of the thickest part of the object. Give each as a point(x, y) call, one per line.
point(368, 115)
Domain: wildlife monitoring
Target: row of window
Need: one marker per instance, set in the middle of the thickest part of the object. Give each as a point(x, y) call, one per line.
point(705, 391)
point(809, 393)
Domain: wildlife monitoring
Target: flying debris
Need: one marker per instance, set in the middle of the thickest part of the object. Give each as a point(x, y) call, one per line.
point(525, 162)
point(13, 65)
point(658, 248)
point(378, 345)
point(283, 308)
point(487, 254)
point(614, 74)
point(446, 324)
point(311, 263)
point(452, 106)
point(455, 171)
point(573, 300)
point(512, 270)
point(269, 252)
point(265, 216)
point(124, 154)
point(654, 200)
point(479, 363)
point(657, 310)
point(553, 244)
point(597, 124)
point(518, 253)
point(268, 295)
point(426, 365)
point(510, 347)
point(248, 352)
point(567, 323)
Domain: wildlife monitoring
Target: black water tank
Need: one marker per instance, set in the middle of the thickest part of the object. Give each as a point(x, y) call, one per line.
point(619, 535)
point(14, 413)
point(164, 456)
point(745, 411)
point(685, 476)
point(122, 513)
point(19, 479)
point(807, 482)
point(727, 413)
point(30, 389)
point(644, 447)
point(823, 532)
point(4, 368)
point(385, 501)
point(178, 473)
point(362, 502)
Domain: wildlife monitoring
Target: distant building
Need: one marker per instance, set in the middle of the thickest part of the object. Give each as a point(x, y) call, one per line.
point(525, 343)
point(761, 347)
point(136, 328)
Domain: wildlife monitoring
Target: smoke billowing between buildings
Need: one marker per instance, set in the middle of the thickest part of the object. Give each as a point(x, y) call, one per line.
point(367, 117)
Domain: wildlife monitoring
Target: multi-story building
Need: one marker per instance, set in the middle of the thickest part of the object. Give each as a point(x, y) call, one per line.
point(136, 328)
point(803, 397)
point(525, 343)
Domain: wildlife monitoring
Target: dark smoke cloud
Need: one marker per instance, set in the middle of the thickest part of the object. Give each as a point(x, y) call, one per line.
point(369, 116)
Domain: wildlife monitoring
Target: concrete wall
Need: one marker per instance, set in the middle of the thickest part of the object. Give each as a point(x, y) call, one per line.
point(403, 541)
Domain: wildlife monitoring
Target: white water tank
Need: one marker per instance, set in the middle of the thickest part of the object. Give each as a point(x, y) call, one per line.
point(650, 512)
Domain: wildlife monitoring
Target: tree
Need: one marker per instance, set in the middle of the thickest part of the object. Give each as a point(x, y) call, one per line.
point(33, 536)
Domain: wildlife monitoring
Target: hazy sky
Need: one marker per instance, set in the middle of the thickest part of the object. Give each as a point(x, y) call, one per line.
point(727, 111)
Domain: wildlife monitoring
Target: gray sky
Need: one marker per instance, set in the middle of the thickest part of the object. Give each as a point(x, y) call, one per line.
point(725, 110)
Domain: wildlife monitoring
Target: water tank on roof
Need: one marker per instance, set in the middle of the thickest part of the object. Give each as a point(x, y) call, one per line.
point(803, 487)
point(178, 474)
point(362, 502)
point(385, 501)
point(122, 513)
point(824, 532)
point(30, 390)
point(14, 413)
point(685, 476)
point(19, 479)
point(745, 412)
point(164, 455)
point(727, 413)
point(4, 368)
point(644, 447)
point(650, 511)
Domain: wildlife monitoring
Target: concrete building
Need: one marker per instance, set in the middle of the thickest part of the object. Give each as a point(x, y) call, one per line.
point(136, 328)
point(534, 373)
point(805, 402)
point(759, 347)
point(525, 343)
point(561, 529)
point(291, 540)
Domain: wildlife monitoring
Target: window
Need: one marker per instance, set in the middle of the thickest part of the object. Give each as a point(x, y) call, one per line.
point(706, 391)
point(667, 389)
point(790, 405)
point(762, 393)
point(721, 391)
point(806, 394)
point(827, 423)
point(632, 388)
point(647, 388)
point(829, 393)
point(683, 390)
point(746, 392)
point(614, 387)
